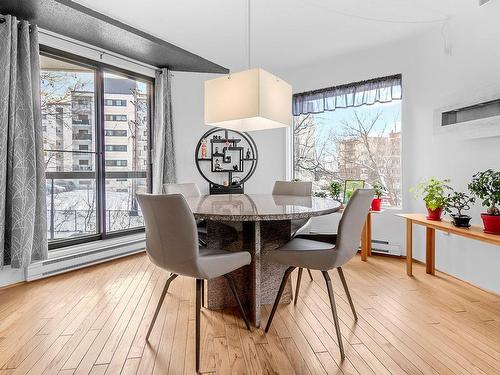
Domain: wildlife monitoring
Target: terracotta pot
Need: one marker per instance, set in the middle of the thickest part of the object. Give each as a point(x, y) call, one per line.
point(376, 204)
point(434, 214)
point(491, 223)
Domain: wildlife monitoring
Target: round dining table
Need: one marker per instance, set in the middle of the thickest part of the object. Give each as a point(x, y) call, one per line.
point(257, 223)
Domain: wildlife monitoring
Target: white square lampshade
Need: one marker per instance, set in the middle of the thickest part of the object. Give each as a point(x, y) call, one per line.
point(246, 101)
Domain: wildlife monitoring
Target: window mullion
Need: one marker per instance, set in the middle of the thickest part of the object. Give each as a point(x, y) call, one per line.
point(100, 152)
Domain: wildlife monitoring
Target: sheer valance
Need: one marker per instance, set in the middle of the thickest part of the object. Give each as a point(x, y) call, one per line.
point(379, 90)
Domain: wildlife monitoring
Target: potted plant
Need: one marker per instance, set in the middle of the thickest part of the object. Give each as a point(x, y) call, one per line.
point(486, 186)
point(379, 191)
point(459, 202)
point(432, 192)
point(335, 189)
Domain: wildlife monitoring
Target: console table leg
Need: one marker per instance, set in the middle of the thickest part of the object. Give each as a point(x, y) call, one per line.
point(369, 233)
point(364, 242)
point(409, 247)
point(430, 250)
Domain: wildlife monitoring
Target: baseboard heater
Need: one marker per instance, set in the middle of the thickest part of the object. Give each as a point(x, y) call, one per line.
point(384, 247)
point(101, 253)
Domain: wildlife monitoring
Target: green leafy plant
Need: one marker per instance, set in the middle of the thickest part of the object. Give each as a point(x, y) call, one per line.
point(379, 189)
point(458, 201)
point(432, 192)
point(486, 186)
point(296, 180)
point(335, 189)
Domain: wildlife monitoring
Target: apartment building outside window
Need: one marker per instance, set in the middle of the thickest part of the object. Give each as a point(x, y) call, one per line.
point(116, 117)
point(115, 132)
point(118, 148)
point(115, 102)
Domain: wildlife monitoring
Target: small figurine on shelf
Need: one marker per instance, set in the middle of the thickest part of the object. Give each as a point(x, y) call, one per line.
point(217, 165)
point(217, 150)
point(248, 153)
point(203, 148)
point(227, 144)
point(235, 167)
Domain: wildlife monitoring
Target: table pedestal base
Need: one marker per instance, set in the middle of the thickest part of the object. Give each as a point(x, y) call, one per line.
point(259, 282)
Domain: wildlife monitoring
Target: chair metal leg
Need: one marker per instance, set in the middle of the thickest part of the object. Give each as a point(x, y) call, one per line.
point(334, 312)
point(278, 296)
point(344, 283)
point(199, 284)
point(232, 285)
point(160, 302)
point(297, 287)
point(310, 274)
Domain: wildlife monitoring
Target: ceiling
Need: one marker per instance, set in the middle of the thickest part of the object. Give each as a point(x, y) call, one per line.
point(285, 33)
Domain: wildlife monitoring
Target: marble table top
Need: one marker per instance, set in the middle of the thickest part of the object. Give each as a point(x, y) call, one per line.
point(259, 207)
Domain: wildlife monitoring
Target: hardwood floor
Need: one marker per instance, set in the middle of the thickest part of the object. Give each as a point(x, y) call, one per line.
point(94, 321)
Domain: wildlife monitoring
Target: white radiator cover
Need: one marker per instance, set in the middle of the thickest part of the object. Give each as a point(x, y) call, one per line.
point(385, 247)
point(80, 256)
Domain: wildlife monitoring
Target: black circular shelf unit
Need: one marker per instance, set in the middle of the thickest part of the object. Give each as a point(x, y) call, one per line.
point(226, 159)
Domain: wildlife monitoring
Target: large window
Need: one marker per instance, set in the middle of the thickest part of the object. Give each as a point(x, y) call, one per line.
point(350, 133)
point(96, 136)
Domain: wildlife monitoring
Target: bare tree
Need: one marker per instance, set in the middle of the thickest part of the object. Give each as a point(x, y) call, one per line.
point(365, 147)
point(312, 153)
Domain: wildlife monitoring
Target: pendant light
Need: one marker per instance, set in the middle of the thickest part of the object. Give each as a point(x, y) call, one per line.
point(250, 100)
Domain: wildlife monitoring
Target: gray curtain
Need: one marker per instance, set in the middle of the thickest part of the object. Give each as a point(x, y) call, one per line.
point(163, 144)
point(23, 216)
point(378, 90)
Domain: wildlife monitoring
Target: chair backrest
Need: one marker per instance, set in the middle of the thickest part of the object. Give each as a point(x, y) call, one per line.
point(298, 188)
point(171, 233)
point(351, 225)
point(188, 190)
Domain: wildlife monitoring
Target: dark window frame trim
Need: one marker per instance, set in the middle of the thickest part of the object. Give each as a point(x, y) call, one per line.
point(99, 69)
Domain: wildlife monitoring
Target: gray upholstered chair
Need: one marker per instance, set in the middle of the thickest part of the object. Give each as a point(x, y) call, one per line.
point(172, 244)
point(322, 256)
point(189, 190)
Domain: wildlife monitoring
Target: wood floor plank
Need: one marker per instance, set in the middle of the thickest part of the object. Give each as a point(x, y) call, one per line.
point(94, 321)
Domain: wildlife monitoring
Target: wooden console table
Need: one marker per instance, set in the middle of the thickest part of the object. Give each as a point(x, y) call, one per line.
point(475, 232)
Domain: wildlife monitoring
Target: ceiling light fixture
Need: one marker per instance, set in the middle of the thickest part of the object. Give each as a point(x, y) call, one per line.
point(250, 100)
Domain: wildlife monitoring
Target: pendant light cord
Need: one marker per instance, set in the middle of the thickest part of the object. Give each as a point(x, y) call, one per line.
point(249, 46)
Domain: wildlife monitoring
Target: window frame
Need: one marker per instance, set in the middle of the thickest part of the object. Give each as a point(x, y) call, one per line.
point(100, 69)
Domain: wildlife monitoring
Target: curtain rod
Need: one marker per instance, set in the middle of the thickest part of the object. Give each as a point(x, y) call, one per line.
point(96, 49)
point(373, 80)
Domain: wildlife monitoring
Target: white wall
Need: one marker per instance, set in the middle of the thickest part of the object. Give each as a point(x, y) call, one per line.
point(432, 79)
point(187, 104)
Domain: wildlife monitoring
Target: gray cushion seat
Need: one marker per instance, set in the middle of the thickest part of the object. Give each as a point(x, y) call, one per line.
point(304, 253)
point(215, 263)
